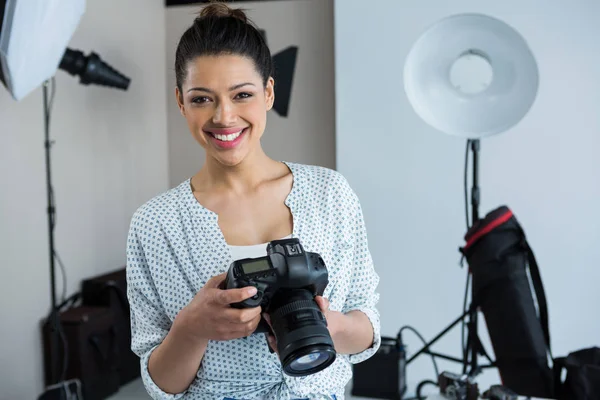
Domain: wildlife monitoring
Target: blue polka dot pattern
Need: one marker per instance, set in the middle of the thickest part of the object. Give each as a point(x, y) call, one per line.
point(175, 246)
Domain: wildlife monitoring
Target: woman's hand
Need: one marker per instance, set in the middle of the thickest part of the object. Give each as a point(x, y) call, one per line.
point(334, 320)
point(332, 317)
point(209, 315)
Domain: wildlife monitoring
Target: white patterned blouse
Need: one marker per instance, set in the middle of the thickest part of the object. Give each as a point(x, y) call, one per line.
point(175, 246)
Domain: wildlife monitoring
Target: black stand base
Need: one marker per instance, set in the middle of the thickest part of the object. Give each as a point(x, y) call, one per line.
point(474, 345)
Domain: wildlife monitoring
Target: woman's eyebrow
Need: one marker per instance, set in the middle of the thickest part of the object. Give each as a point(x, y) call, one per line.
point(232, 88)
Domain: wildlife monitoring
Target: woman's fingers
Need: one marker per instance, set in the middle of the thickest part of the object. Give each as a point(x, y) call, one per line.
point(322, 302)
point(240, 315)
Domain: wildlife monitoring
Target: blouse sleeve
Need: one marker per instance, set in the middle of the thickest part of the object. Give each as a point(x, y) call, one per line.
point(149, 321)
point(364, 280)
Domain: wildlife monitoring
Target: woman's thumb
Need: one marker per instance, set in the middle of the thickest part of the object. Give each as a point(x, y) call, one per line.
point(216, 281)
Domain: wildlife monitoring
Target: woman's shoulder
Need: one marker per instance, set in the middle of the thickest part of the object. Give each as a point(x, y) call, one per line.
point(311, 175)
point(162, 207)
point(323, 179)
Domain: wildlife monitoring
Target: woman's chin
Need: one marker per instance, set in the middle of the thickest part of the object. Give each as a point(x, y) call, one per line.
point(231, 159)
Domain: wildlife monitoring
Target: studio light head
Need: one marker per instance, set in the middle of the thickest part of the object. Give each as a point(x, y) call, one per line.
point(34, 35)
point(285, 67)
point(471, 75)
point(92, 70)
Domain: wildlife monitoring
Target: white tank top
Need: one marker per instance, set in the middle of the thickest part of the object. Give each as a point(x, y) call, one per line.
point(251, 251)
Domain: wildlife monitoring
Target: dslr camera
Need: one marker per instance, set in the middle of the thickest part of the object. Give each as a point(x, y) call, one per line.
point(287, 280)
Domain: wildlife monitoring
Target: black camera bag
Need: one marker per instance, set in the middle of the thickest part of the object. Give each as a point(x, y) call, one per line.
point(91, 350)
point(583, 375)
point(110, 290)
point(500, 259)
point(382, 376)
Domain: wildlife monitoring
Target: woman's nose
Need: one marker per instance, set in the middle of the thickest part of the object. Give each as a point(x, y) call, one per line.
point(224, 114)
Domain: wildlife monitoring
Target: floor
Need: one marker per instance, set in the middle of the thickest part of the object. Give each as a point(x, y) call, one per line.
point(135, 391)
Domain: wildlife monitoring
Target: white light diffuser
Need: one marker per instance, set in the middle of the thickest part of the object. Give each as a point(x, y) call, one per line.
point(33, 40)
point(471, 75)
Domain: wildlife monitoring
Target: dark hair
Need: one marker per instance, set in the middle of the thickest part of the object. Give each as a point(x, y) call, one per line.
point(218, 30)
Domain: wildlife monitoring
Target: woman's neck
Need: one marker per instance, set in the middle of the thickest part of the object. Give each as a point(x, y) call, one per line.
point(247, 175)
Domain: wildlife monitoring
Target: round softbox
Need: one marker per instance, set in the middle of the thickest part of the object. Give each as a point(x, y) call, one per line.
point(471, 75)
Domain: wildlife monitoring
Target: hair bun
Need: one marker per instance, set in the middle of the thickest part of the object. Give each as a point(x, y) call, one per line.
point(218, 10)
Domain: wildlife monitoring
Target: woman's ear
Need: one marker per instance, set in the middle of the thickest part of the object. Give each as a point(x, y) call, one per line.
point(270, 93)
point(179, 99)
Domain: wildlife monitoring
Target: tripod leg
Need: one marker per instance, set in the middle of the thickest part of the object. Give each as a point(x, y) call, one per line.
point(474, 348)
point(425, 348)
point(469, 346)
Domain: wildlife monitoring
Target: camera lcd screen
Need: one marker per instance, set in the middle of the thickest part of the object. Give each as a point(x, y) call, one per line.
point(256, 266)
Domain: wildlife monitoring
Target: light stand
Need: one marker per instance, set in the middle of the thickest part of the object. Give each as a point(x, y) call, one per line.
point(470, 76)
point(474, 348)
point(53, 318)
point(34, 37)
point(91, 70)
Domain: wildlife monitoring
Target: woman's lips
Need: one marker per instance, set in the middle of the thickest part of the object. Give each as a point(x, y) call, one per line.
point(225, 131)
point(226, 138)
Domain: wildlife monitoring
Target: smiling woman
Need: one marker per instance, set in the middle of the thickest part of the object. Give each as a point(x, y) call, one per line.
point(225, 101)
point(192, 344)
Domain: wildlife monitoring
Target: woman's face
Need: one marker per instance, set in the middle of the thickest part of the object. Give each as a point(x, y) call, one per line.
point(225, 104)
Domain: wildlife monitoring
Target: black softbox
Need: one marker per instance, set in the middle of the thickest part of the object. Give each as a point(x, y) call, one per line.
point(505, 278)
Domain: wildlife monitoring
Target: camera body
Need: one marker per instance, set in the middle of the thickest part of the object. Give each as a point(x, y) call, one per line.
point(287, 280)
point(286, 268)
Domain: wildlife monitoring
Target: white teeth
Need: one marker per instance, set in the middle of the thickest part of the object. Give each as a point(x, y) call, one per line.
point(228, 138)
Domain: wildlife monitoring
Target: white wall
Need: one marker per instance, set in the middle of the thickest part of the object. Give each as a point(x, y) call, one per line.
point(110, 156)
point(307, 134)
point(409, 177)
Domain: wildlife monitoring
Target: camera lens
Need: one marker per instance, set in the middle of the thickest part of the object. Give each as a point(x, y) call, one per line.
point(303, 341)
point(317, 357)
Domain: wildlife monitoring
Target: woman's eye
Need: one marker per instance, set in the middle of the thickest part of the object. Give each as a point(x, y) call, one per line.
point(244, 95)
point(200, 100)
